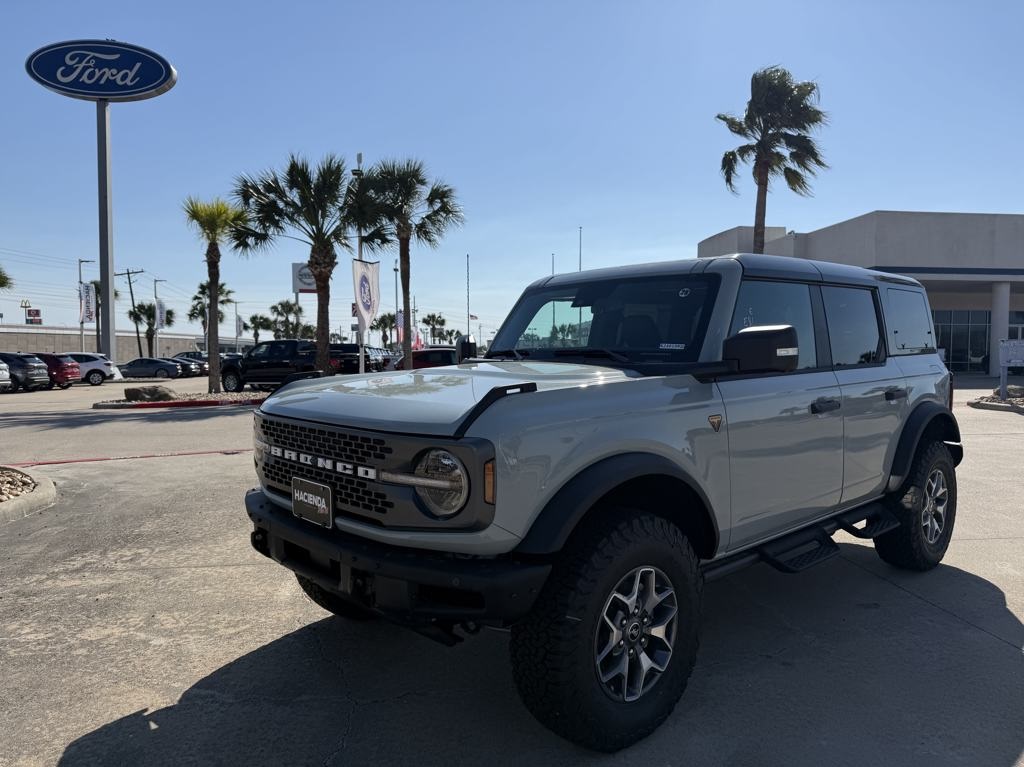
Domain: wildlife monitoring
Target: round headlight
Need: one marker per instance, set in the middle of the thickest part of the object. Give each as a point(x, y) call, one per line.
point(448, 489)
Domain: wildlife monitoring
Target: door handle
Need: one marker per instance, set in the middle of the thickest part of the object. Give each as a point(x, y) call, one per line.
point(891, 395)
point(824, 405)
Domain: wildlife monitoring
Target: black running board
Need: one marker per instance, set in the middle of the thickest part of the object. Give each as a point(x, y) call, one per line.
point(801, 550)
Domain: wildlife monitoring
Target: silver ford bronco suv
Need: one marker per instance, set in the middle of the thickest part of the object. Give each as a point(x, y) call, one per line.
point(630, 434)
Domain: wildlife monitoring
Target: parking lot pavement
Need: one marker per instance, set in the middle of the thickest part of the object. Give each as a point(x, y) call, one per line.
point(138, 627)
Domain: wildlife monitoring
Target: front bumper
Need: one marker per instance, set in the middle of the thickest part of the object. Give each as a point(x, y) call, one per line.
point(410, 586)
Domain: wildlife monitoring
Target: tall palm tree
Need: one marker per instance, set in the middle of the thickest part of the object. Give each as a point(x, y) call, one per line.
point(6, 283)
point(282, 323)
point(436, 323)
point(214, 221)
point(308, 204)
point(411, 206)
point(259, 323)
point(98, 292)
point(197, 311)
point(777, 124)
point(385, 323)
point(145, 314)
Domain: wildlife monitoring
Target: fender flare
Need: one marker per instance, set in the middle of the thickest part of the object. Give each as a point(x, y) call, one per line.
point(925, 416)
point(560, 516)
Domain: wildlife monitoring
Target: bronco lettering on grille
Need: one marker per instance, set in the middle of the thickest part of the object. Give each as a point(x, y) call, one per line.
point(328, 464)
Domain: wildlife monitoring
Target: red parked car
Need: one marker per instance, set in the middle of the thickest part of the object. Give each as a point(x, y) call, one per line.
point(63, 370)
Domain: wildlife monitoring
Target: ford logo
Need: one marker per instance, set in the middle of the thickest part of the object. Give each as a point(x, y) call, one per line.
point(101, 69)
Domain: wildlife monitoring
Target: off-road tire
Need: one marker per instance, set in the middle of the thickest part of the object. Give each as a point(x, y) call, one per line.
point(907, 546)
point(95, 378)
point(333, 603)
point(232, 382)
point(553, 649)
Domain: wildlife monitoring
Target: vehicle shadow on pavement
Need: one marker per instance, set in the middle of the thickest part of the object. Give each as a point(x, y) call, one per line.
point(44, 419)
point(852, 663)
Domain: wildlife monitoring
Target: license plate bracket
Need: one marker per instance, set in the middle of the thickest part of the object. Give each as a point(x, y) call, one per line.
point(313, 502)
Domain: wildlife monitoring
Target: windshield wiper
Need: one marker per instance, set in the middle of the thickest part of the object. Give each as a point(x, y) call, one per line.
point(591, 351)
point(505, 353)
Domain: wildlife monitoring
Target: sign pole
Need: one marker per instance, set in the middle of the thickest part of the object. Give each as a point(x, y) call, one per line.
point(106, 217)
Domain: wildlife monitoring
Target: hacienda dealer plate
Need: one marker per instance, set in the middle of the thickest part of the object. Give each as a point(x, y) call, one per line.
point(312, 501)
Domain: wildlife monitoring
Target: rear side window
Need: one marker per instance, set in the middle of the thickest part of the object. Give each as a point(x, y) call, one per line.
point(852, 326)
point(910, 327)
point(778, 303)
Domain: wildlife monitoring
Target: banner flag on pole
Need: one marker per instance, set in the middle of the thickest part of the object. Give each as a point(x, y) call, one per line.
point(87, 302)
point(366, 285)
point(239, 326)
point(161, 315)
point(400, 326)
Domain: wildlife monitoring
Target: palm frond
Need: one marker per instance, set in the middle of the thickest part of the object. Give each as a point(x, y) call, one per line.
point(729, 162)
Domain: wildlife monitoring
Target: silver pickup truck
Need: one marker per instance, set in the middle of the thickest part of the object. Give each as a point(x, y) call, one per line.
point(630, 434)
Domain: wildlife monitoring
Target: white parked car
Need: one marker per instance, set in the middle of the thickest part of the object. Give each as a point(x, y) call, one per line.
point(5, 377)
point(96, 368)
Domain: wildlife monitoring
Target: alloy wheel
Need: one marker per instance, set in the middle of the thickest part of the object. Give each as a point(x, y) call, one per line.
point(933, 515)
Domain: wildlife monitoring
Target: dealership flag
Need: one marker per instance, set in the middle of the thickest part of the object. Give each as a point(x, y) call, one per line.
point(161, 315)
point(400, 326)
point(87, 302)
point(366, 283)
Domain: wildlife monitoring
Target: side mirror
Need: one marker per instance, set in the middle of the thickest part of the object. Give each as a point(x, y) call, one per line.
point(465, 348)
point(763, 349)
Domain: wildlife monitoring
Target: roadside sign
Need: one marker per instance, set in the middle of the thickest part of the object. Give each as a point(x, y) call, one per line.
point(1011, 355)
point(302, 279)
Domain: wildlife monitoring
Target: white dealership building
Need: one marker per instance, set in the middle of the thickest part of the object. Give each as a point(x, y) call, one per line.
point(972, 265)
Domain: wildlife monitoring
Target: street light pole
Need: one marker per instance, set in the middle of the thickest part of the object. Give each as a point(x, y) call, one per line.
point(81, 308)
point(396, 298)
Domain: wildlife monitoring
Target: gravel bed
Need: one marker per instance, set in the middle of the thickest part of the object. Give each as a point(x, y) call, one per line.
point(220, 397)
point(1015, 401)
point(14, 483)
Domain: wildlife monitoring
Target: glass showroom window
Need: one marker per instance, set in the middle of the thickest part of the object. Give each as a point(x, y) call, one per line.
point(964, 336)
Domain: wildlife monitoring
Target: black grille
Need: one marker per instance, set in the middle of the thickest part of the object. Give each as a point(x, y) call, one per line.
point(351, 494)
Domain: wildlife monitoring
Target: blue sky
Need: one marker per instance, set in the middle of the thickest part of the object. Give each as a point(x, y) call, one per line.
point(544, 116)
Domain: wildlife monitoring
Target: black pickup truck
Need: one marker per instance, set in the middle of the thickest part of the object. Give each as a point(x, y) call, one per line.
point(268, 364)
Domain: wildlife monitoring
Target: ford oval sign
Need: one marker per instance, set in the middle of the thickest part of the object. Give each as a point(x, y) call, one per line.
point(101, 70)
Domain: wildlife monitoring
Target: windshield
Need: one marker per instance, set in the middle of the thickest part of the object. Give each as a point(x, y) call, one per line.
point(645, 320)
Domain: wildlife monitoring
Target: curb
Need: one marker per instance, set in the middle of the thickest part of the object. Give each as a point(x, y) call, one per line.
point(43, 497)
point(177, 403)
point(1001, 407)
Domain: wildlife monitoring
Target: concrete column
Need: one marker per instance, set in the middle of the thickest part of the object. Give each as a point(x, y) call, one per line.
point(1000, 328)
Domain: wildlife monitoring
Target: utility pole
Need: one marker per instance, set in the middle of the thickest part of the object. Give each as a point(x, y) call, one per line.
point(469, 331)
point(81, 307)
point(156, 320)
point(581, 249)
point(131, 292)
point(397, 307)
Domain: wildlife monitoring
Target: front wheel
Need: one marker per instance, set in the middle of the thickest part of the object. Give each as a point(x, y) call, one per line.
point(606, 653)
point(232, 382)
point(95, 378)
point(66, 385)
point(15, 384)
point(926, 509)
point(333, 603)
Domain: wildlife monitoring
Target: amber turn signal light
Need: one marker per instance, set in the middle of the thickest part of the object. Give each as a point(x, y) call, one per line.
point(489, 482)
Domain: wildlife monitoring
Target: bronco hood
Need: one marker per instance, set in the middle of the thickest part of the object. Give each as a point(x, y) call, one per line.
point(428, 401)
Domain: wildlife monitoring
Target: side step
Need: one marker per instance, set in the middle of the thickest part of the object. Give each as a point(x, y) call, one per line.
point(799, 551)
point(879, 521)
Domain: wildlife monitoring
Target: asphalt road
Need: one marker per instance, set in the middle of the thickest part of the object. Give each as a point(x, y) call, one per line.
point(137, 627)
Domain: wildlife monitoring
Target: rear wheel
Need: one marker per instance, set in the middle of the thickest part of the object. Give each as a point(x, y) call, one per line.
point(95, 378)
point(926, 509)
point(66, 385)
point(332, 603)
point(15, 384)
point(606, 653)
point(232, 382)
point(161, 373)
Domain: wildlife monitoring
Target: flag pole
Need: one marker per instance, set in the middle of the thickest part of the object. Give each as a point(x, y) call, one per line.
point(468, 330)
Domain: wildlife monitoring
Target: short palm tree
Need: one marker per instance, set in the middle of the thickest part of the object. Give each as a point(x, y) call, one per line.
point(5, 281)
point(197, 311)
point(214, 221)
point(777, 124)
point(282, 323)
point(306, 203)
point(259, 323)
point(385, 323)
point(410, 206)
point(436, 323)
point(145, 314)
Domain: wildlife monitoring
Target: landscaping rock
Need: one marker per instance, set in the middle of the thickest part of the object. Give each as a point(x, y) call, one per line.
point(14, 483)
point(149, 394)
point(1013, 391)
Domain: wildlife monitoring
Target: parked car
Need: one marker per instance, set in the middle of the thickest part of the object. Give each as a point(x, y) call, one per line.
point(193, 355)
point(345, 359)
point(27, 371)
point(63, 370)
point(203, 365)
point(429, 358)
point(149, 367)
point(709, 414)
point(96, 368)
point(189, 368)
point(5, 377)
point(268, 364)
